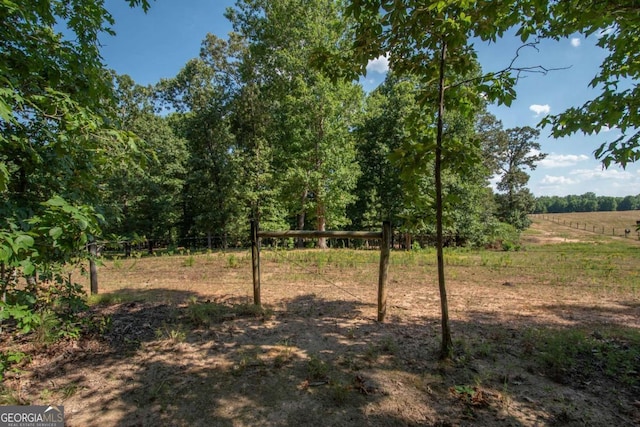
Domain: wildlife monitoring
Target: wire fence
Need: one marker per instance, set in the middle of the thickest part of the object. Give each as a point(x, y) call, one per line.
point(221, 242)
point(353, 273)
point(620, 231)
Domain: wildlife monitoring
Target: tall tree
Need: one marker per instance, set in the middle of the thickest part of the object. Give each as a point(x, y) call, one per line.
point(513, 154)
point(382, 130)
point(57, 131)
point(629, 203)
point(58, 138)
point(203, 94)
point(314, 151)
point(432, 40)
point(146, 197)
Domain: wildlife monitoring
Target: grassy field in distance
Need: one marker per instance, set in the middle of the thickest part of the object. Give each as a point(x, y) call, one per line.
point(612, 223)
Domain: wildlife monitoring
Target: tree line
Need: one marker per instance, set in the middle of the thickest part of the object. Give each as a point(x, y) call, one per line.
point(250, 130)
point(587, 202)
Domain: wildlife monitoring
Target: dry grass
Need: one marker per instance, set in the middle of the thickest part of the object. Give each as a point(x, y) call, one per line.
point(546, 336)
point(606, 223)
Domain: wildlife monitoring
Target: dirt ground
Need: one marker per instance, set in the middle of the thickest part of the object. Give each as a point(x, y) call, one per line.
point(183, 347)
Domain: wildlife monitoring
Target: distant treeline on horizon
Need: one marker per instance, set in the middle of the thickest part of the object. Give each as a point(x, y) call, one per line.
point(587, 202)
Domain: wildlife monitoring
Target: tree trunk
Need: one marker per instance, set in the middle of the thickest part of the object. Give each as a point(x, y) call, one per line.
point(321, 221)
point(301, 218)
point(447, 344)
point(322, 224)
point(93, 268)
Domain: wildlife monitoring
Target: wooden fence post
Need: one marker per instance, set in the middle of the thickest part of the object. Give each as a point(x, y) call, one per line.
point(255, 258)
point(93, 269)
point(385, 244)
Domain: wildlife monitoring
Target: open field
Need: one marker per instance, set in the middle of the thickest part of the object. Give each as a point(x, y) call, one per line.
point(549, 335)
point(607, 223)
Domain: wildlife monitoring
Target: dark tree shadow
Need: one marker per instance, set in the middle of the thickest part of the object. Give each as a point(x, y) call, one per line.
point(311, 362)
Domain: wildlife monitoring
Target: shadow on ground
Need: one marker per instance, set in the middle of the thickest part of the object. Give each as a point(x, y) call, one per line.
point(313, 362)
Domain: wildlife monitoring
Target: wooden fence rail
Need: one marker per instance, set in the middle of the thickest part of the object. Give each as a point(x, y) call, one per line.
point(384, 236)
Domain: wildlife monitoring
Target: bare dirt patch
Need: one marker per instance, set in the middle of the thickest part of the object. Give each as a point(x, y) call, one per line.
point(181, 345)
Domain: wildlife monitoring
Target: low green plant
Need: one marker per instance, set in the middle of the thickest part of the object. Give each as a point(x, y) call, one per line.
point(371, 353)
point(232, 261)
point(339, 393)
point(504, 236)
point(206, 314)
point(49, 329)
point(49, 304)
point(10, 397)
point(25, 318)
point(388, 345)
point(484, 349)
point(9, 360)
point(189, 261)
point(252, 310)
point(46, 395)
point(111, 298)
point(573, 352)
point(317, 369)
point(556, 350)
point(464, 390)
point(69, 390)
point(247, 360)
point(174, 334)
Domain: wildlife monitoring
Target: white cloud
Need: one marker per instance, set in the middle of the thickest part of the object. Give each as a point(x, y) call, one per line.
point(557, 180)
point(604, 182)
point(379, 65)
point(599, 173)
point(604, 32)
point(562, 160)
point(575, 42)
point(540, 109)
point(493, 182)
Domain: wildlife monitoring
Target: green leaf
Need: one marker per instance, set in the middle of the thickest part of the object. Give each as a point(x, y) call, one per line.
point(4, 176)
point(55, 232)
point(5, 253)
point(56, 201)
point(83, 224)
point(27, 267)
point(23, 241)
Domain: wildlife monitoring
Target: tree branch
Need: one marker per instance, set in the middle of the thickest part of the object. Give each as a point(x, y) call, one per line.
point(537, 69)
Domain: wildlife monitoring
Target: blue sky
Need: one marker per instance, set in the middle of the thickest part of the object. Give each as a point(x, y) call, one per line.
point(157, 44)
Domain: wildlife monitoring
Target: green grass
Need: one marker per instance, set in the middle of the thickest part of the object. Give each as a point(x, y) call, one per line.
point(609, 264)
point(579, 354)
point(207, 313)
point(110, 298)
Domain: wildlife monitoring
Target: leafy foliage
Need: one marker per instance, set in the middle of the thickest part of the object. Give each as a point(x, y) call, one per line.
point(587, 202)
point(617, 28)
point(513, 154)
point(56, 138)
